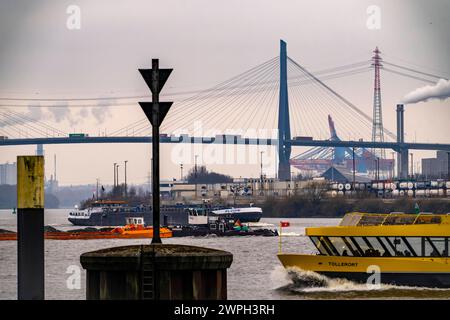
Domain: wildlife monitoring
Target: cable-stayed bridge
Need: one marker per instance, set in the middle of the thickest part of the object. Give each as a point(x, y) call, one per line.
point(278, 103)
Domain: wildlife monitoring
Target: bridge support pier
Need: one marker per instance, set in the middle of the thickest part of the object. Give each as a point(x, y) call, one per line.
point(402, 163)
point(39, 149)
point(156, 272)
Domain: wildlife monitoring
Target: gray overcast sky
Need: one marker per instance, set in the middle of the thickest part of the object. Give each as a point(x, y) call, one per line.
point(206, 42)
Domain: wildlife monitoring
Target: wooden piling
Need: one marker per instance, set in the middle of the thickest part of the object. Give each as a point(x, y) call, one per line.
point(30, 227)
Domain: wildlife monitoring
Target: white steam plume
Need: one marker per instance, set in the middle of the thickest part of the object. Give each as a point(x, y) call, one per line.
point(441, 91)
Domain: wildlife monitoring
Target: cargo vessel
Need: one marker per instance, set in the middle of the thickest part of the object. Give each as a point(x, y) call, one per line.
point(115, 213)
point(402, 249)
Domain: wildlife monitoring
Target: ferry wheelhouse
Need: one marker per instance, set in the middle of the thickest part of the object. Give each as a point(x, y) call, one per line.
point(406, 249)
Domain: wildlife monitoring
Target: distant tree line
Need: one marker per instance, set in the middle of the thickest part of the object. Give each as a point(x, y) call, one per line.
point(301, 206)
point(202, 175)
point(8, 198)
point(133, 195)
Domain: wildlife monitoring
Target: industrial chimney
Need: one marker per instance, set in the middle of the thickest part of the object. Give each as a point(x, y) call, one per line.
point(402, 154)
point(55, 166)
point(400, 124)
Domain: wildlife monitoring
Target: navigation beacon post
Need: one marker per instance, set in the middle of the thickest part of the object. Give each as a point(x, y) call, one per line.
point(156, 271)
point(155, 112)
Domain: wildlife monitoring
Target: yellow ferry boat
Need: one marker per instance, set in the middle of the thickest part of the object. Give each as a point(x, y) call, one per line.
point(403, 249)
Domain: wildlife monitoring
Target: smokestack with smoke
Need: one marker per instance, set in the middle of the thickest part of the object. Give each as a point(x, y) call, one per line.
point(441, 91)
point(60, 113)
point(103, 112)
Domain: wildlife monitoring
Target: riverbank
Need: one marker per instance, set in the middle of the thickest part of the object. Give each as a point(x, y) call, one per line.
point(301, 207)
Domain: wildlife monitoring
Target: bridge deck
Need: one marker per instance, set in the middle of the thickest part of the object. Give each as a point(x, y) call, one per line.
point(227, 140)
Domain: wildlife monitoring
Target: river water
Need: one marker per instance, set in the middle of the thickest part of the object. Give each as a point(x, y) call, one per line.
point(255, 272)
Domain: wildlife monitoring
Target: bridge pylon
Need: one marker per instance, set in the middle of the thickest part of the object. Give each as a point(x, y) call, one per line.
point(284, 129)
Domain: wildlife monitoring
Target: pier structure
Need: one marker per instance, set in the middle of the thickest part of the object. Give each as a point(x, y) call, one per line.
point(30, 227)
point(156, 272)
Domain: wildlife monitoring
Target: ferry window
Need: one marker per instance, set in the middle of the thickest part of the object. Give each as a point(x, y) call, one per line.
point(356, 246)
point(415, 243)
point(373, 247)
point(371, 220)
point(400, 219)
point(368, 247)
point(340, 246)
point(361, 244)
point(354, 250)
point(386, 250)
point(447, 244)
point(329, 246)
point(401, 246)
point(350, 219)
point(319, 245)
point(426, 219)
point(435, 247)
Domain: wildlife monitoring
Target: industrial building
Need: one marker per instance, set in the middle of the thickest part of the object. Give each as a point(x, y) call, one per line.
point(343, 175)
point(8, 173)
point(320, 159)
point(246, 187)
point(436, 168)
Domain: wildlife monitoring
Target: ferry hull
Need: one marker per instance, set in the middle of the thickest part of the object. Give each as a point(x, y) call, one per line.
point(417, 279)
point(414, 271)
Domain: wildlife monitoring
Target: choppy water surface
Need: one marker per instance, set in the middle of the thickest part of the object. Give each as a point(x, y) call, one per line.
point(255, 272)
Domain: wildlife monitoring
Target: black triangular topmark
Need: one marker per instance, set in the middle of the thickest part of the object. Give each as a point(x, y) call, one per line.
point(163, 76)
point(163, 108)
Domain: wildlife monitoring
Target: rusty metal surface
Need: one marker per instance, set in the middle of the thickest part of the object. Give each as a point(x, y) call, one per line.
point(30, 182)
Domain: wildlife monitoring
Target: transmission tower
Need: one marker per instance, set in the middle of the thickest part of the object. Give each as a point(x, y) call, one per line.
point(377, 126)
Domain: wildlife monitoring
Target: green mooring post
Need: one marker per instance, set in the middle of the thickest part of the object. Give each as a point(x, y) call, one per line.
point(156, 272)
point(30, 227)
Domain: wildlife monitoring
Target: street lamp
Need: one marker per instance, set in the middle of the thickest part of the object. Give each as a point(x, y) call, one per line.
point(97, 189)
point(378, 168)
point(353, 154)
point(195, 176)
point(115, 174)
point(126, 191)
point(195, 166)
point(448, 166)
point(393, 165)
point(181, 172)
point(261, 163)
